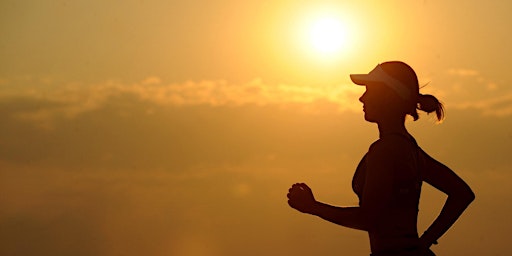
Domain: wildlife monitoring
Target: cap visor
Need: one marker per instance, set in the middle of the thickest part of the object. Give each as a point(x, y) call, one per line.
point(359, 79)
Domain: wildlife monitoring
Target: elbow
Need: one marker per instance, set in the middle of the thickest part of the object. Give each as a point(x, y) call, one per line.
point(465, 196)
point(470, 196)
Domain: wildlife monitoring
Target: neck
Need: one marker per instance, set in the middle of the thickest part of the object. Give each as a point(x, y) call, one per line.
point(392, 126)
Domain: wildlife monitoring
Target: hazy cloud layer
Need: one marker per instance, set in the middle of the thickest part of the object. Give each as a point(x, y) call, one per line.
point(469, 89)
point(188, 164)
point(71, 99)
point(128, 169)
point(50, 100)
point(463, 72)
point(500, 106)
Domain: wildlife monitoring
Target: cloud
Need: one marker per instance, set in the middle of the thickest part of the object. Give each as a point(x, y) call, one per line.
point(499, 106)
point(159, 169)
point(151, 80)
point(220, 92)
point(463, 72)
point(469, 89)
point(72, 99)
point(114, 125)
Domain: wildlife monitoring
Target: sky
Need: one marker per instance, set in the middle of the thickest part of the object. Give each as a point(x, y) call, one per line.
point(142, 127)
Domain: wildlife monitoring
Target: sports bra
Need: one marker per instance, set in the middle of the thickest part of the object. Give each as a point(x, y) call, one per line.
point(407, 187)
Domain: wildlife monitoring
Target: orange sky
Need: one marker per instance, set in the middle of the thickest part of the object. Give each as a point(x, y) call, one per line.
point(175, 128)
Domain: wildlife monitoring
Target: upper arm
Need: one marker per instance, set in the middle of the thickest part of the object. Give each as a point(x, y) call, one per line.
point(443, 178)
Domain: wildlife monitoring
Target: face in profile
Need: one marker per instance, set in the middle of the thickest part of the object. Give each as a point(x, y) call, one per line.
point(379, 102)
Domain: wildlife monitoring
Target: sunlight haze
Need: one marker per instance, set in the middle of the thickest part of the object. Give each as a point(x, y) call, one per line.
point(176, 127)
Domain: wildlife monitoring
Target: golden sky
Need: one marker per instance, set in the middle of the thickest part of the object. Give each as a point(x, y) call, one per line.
point(175, 127)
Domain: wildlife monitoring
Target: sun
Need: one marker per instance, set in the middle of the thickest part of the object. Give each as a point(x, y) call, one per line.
point(327, 35)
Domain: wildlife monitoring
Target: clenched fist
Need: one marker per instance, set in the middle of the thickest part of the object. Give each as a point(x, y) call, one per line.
point(300, 197)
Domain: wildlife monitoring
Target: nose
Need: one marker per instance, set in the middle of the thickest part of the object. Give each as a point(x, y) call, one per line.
point(362, 98)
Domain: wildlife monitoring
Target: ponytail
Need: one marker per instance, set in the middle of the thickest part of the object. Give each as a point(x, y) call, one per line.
point(429, 104)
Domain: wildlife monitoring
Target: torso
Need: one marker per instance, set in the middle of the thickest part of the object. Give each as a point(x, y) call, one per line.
point(397, 226)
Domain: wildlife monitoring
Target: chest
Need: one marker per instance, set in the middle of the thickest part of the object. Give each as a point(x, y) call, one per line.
point(406, 180)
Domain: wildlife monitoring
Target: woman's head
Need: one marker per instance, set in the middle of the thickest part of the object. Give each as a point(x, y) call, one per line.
point(393, 89)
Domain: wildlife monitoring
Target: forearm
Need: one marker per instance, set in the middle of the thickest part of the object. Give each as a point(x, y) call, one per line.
point(453, 208)
point(351, 217)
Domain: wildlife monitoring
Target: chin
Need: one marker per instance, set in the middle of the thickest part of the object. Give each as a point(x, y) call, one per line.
point(369, 118)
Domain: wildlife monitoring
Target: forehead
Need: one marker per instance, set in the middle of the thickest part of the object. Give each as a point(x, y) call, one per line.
point(376, 86)
point(378, 90)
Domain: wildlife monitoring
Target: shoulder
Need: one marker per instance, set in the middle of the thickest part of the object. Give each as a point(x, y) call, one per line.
point(382, 155)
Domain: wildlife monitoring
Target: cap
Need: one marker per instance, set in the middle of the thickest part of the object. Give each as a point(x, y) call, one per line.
point(378, 74)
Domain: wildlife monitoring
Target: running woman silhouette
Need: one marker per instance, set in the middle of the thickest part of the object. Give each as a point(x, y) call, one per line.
point(388, 178)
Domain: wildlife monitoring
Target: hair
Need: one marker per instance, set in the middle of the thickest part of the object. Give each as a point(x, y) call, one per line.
point(428, 103)
point(424, 102)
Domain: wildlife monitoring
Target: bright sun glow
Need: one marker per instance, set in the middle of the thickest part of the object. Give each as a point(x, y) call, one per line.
point(327, 35)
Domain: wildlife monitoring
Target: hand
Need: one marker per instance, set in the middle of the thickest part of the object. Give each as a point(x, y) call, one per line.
point(300, 197)
point(425, 247)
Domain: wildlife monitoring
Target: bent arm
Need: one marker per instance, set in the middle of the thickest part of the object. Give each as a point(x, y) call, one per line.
point(376, 196)
point(300, 197)
point(459, 194)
